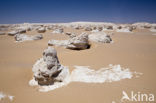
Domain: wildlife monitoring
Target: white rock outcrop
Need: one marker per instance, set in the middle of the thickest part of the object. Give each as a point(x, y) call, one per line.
point(125, 28)
point(100, 37)
point(12, 33)
point(71, 35)
point(58, 31)
point(48, 69)
point(24, 37)
point(79, 42)
point(58, 43)
point(22, 30)
point(41, 30)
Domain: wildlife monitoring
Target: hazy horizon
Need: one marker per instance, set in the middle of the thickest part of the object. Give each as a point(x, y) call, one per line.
point(64, 11)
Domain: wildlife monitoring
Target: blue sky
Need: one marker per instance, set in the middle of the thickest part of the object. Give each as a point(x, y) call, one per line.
point(48, 11)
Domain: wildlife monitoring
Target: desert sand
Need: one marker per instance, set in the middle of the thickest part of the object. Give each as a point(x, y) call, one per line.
point(136, 51)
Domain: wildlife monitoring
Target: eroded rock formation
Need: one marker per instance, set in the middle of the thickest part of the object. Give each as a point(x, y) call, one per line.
point(100, 37)
point(24, 37)
point(48, 69)
point(79, 42)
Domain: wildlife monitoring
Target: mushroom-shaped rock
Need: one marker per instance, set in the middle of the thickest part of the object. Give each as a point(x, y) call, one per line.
point(100, 37)
point(79, 42)
point(48, 70)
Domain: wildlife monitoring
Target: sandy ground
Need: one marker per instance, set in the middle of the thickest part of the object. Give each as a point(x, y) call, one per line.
point(136, 51)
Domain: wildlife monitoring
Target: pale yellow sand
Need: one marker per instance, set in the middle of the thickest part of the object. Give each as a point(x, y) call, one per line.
point(136, 51)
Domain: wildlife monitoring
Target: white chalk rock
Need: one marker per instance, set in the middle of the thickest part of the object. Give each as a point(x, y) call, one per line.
point(71, 35)
point(100, 37)
point(58, 31)
point(79, 42)
point(58, 43)
point(12, 33)
point(24, 37)
point(41, 30)
point(22, 30)
point(48, 70)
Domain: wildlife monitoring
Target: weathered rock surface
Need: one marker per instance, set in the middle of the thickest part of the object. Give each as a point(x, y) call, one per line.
point(24, 37)
point(21, 30)
point(100, 37)
point(71, 35)
point(58, 43)
point(79, 42)
point(12, 33)
point(48, 70)
point(41, 30)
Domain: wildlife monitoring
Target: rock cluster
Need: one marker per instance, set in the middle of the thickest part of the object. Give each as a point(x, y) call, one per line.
point(12, 33)
point(79, 42)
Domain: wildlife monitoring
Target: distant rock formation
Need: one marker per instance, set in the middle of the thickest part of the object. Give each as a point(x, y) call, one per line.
point(58, 31)
point(18, 31)
point(71, 35)
point(153, 29)
point(58, 43)
point(100, 37)
point(12, 33)
point(41, 30)
point(88, 28)
point(125, 28)
point(24, 37)
point(48, 69)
